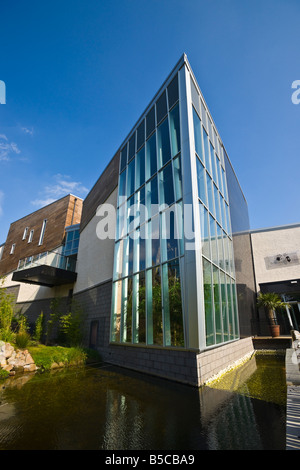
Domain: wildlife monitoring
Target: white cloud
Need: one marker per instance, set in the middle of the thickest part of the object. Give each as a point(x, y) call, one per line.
point(26, 130)
point(62, 186)
point(7, 148)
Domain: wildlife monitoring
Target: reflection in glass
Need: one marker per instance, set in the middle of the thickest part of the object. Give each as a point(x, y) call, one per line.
point(206, 151)
point(123, 158)
point(177, 178)
point(173, 94)
point(153, 242)
point(151, 162)
point(204, 231)
point(217, 305)
point(150, 122)
point(161, 107)
point(140, 135)
point(116, 311)
point(175, 130)
point(224, 306)
point(130, 178)
point(201, 176)
point(208, 303)
point(139, 308)
point(230, 308)
point(173, 320)
point(140, 168)
point(198, 136)
point(163, 143)
point(126, 323)
point(152, 197)
point(122, 188)
point(213, 240)
point(210, 194)
point(166, 189)
point(154, 306)
point(169, 234)
point(131, 147)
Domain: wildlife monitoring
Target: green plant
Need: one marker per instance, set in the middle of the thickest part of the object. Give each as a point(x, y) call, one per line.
point(271, 302)
point(6, 311)
point(70, 326)
point(39, 328)
point(3, 374)
point(22, 339)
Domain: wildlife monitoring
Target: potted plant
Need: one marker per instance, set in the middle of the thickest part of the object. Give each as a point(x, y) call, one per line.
point(271, 302)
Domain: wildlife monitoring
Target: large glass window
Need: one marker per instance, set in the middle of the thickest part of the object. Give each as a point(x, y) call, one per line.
point(139, 308)
point(163, 143)
point(130, 178)
point(201, 176)
point(208, 303)
point(173, 321)
point(154, 306)
point(151, 163)
point(166, 188)
point(198, 136)
point(175, 130)
point(140, 168)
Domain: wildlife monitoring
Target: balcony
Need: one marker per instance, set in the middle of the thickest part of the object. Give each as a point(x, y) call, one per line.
point(46, 269)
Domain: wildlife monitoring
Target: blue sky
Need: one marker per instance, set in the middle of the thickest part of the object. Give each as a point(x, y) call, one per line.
point(78, 75)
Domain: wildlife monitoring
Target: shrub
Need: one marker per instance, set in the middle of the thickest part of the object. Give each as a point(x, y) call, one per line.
point(22, 339)
point(39, 328)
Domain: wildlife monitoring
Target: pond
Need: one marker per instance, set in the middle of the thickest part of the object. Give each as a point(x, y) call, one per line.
point(105, 407)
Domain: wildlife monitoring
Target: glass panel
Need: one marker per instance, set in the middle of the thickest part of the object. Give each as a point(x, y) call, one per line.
point(169, 235)
point(130, 178)
point(131, 147)
point(175, 130)
point(224, 306)
point(213, 240)
point(220, 247)
point(154, 307)
point(235, 308)
point(163, 143)
point(201, 176)
point(161, 107)
point(204, 231)
point(126, 327)
point(217, 305)
point(118, 260)
point(151, 162)
point(173, 94)
point(213, 164)
point(150, 121)
point(122, 188)
point(121, 222)
point(195, 97)
point(152, 197)
point(179, 219)
point(198, 136)
point(208, 303)
point(219, 170)
point(166, 189)
point(153, 242)
point(140, 168)
point(123, 161)
point(173, 319)
point(128, 256)
point(139, 308)
point(217, 203)
point(131, 213)
point(224, 185)
point(177, 178)
point(140, 203)
point(140, 135)
point(116, 311)
point(230, 308)
point(206, 150)
point(139, 252)
point(210, 194)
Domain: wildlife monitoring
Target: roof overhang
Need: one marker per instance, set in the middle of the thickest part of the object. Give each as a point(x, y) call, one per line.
point(45, 276)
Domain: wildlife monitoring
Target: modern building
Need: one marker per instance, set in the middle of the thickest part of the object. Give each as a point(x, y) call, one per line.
point(39, 256)
point(276, 254)
point(170, 289)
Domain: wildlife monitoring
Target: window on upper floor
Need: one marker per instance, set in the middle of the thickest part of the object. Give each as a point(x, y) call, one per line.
point(30, 236)
point(12, 250)
point(25, 233)
point(42, 232)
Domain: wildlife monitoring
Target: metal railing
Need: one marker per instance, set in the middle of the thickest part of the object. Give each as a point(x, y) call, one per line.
point(48, 258)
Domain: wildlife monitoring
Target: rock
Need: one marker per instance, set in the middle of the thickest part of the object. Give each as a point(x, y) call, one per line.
point(2, 360)
point(8, 350)
point(8, 367)
point(30, 367)
point(28, 358)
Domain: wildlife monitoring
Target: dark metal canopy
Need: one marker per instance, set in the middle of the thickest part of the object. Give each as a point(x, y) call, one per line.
point(45, 276)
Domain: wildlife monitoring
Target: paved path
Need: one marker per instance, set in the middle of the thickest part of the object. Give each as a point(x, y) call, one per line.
point(293, 401)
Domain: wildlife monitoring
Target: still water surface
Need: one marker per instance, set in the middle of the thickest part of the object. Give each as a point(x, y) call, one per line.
point(109, 408)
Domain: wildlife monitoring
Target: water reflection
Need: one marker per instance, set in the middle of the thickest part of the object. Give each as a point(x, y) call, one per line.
point(111, 408)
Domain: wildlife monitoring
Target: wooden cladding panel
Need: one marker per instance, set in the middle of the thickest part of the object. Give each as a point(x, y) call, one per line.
point(59, 214)
point(104, 186)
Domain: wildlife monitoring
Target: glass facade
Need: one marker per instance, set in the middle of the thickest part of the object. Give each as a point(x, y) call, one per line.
point(221, 314)
point(148, 294)
point(147, 301)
